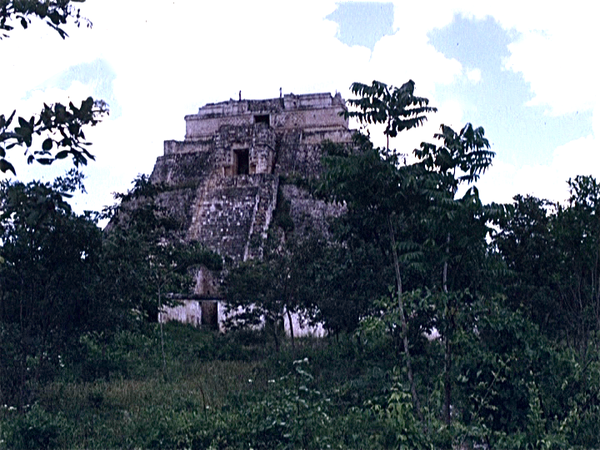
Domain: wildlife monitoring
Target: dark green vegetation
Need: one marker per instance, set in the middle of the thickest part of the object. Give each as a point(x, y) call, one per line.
point(452, 324)
point(488, 313)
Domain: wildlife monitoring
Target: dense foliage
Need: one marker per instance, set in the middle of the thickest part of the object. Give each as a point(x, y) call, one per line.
point(62, 278)
point(451, 324)
point(489, 313)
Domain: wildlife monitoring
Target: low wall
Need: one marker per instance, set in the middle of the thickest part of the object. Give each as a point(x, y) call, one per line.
point(202, 313)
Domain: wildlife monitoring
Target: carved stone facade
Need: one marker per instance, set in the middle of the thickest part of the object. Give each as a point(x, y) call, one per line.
point(223, 179)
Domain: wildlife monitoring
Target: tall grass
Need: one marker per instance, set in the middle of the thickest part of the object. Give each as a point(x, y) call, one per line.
point(215, 391)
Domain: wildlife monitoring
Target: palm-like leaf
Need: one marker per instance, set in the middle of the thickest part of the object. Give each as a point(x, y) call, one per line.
point(398, 108)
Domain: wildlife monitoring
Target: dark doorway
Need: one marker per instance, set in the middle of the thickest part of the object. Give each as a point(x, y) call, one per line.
point(263, 118)
point(210, 314)
point(242, 162)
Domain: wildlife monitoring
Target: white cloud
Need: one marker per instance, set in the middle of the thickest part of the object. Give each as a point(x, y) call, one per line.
point(553, 55)
point(549, 181)
point(172, 57)
point(474, 75)
point(562, 77)
point(553, 51)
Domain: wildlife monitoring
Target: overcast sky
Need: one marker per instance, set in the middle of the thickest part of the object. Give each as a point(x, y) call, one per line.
point(526, 71)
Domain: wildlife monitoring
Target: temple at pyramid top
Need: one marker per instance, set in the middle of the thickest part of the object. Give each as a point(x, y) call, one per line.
point(309, 111)
point(223, 181)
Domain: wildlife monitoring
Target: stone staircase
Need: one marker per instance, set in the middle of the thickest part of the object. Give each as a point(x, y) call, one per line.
point(232, 214)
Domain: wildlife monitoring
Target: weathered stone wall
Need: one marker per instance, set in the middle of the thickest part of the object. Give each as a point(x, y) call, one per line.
point(189, 311)
point(308, 213)
point(299, 151)
point(259, 140)
point(178, 169)
point(212, 314)
point(229, 211)
point(287, 112)
point(223, 182)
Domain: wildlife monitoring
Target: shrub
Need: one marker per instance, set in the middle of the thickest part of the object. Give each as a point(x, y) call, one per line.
point(33, 429)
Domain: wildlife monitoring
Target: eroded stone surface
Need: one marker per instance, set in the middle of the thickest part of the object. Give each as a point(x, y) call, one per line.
point(223, 179)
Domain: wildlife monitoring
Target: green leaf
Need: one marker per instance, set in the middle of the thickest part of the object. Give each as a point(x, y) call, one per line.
point(47, 145)
point(10, 119)
point(5, 166)
point(62, 154)
point(54, 17)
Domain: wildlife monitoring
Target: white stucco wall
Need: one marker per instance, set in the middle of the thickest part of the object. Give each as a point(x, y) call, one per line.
point(190, 312)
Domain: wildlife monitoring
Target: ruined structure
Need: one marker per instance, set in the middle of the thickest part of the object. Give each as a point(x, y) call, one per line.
point(224, 178)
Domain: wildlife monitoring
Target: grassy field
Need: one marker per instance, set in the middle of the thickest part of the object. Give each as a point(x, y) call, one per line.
point(209, 391)
point(234, 391)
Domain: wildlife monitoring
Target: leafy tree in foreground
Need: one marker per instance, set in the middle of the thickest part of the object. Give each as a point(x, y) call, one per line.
point(58, 127)
point(269, 290)
point(429, 238)
point(346, 280)
point(61, 128)
point(56, 13)
point(382, 197)
point(456, 229)
point(49, 260)
point(576, 231)
point(526, 243)
point(146, 257)
point(552, 251)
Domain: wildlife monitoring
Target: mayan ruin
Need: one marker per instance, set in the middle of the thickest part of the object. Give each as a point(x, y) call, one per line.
point(224, 178)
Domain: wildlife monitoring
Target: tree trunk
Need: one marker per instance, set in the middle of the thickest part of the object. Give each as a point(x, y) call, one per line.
point(447, 380)
point(276, 338)
point(272, 324)
point(23, 348)
point(387, 133)
point(162, 337)
point(291, 327)
point(404, 324)
point(447, 340)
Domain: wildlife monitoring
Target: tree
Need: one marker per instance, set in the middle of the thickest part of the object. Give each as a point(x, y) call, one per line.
point(266, 291)
point(462, 158)
point(576, 231)
point(398, 108)
point(146, 256)
point(456, 227)
point(57, 13)
point(346, 280)
point(412, 213)
point(48, 273)
point(553, 253)
point(383, 201)
point(60, 127)
point(526, 243)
